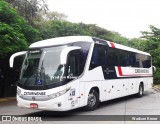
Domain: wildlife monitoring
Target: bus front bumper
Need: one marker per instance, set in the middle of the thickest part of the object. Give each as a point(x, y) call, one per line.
point(56, 104)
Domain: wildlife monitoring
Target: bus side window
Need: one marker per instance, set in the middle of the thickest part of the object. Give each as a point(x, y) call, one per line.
point(132, 60)
point(98, 57)
point(75, 64)
point(123, 58)
point(94, 60)
point(112, 58)
point(145, 61)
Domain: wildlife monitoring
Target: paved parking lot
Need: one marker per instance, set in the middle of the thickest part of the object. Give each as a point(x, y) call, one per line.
point(149, 104)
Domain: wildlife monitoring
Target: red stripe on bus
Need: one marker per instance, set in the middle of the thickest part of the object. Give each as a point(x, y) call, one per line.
point(121, 74)
point(120, 71)
point(112, 44)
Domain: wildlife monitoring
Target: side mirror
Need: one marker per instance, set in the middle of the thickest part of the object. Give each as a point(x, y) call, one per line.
point(154, 69)
point(11, 60)
point(65, 52)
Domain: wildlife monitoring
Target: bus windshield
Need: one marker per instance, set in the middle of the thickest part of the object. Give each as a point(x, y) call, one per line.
point(42, 67)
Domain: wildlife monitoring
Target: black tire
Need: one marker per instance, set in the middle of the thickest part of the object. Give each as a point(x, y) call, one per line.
point(93, 101)
point(141, 91)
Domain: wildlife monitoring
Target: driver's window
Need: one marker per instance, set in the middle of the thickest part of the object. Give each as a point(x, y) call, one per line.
point(75, 64)
point(72, 70)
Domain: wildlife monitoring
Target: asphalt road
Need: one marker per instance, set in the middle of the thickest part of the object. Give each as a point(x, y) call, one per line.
point(149, 105)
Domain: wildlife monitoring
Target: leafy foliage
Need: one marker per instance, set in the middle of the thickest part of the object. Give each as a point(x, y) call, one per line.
point(16, 33)
point(29, 9)
point(157, 76)
point(58, 28)
point(55, 16)
point(11, 37)
point(151, 44)
point(153, 35)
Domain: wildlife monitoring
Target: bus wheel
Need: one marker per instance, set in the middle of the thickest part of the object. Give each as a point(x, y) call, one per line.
point(141, 90)
point(93, 100)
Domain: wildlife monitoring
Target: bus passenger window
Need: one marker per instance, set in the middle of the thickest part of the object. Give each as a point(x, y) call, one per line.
point(98, 57)
point(112, 58)
point(132, 60)
point(123, 58)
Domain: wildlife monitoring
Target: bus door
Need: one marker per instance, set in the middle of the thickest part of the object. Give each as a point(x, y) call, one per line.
point(73, 72)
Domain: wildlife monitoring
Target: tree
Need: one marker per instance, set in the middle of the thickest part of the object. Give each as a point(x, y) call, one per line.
point(29, 9)
point(58, 28)
point(153, 35)
point(137, 43)
point(11, 37)
point(15, 33)
point(152, 43)
point(55, 16)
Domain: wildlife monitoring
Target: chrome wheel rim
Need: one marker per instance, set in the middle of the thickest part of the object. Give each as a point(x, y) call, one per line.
point(91, 100)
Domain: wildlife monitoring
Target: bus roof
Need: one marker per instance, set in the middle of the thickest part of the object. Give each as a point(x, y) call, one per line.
point(71, 39)
point(119, 46)
point(60, 41)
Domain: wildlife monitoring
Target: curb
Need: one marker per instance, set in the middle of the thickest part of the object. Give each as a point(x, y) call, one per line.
point(156, 88)
point(7, 99)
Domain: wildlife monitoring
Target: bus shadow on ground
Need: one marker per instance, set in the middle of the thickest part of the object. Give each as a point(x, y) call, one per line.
point(122, 99)
point(59, 115)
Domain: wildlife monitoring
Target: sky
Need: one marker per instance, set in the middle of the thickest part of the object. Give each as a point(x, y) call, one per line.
point(127, 17)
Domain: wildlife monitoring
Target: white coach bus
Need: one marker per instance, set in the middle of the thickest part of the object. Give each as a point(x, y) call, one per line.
point(65, 73)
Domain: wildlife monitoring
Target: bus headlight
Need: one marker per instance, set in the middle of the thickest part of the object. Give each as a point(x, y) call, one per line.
point(52, 96)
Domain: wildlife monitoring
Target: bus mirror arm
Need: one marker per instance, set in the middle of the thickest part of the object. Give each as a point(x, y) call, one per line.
point(154, 69)
point(64, 53)
point(11, 60)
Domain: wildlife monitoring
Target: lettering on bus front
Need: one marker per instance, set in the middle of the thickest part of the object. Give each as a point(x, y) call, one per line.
point(35, 93)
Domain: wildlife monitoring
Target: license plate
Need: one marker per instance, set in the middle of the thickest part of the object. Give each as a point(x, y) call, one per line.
point(33, 105)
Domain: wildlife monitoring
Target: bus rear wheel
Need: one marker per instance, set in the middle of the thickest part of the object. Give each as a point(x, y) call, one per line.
point(141, 91)
point(93, 100)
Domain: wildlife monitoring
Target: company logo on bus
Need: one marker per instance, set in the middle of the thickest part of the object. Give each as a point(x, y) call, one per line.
point(33, 98)
point(141, 71)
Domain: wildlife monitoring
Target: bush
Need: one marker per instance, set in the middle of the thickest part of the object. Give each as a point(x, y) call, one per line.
point(157, 76)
